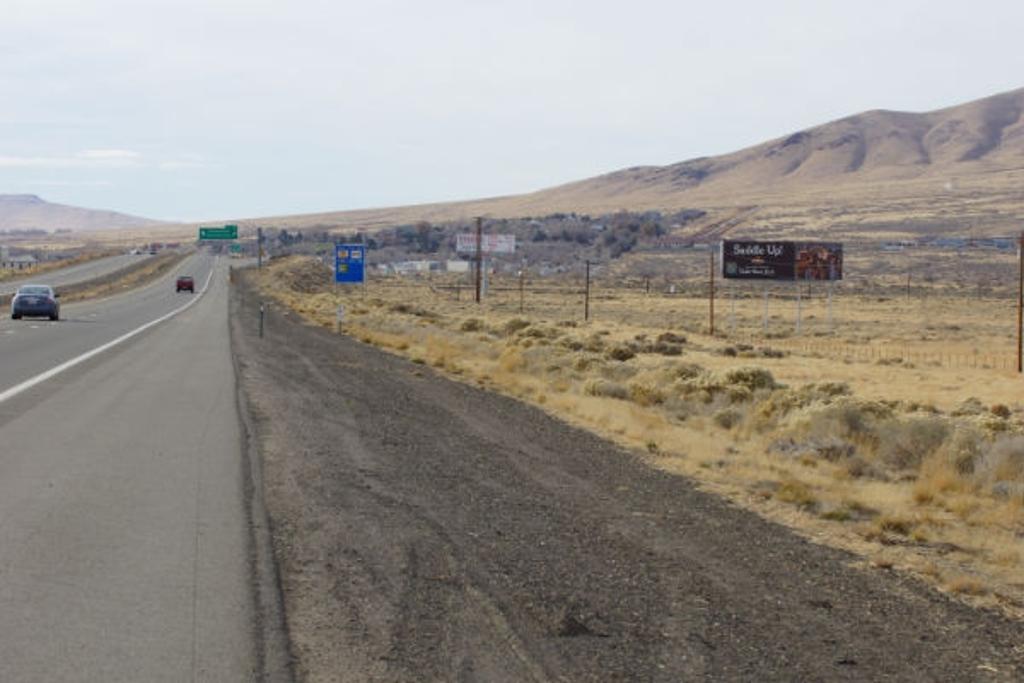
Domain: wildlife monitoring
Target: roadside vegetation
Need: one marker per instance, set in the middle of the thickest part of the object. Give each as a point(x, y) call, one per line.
point(132, 277)
point(914, 466)
point(47, 266)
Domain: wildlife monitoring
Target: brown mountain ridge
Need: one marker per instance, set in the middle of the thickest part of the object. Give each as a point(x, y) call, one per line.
point(957, 170)
point(29, 212)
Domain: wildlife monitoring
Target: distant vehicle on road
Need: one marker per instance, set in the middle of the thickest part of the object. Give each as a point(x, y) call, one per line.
point(185, 282)
point(39, 301)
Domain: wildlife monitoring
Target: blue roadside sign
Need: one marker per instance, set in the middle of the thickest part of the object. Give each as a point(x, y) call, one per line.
point(349, 263)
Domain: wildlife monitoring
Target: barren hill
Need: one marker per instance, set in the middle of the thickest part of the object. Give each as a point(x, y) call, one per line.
point(29, 212)
point(957, 171)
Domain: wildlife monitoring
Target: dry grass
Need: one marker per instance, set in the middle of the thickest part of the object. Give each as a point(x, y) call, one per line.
point(132, 278)
point(892, 459)
point(48, 266)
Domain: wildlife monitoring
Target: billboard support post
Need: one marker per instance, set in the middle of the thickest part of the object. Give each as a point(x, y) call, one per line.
point(1020, 304)
point(732, 310)
point(798, 308)
point(764, 313)
point(711, 293)
point(831, 324)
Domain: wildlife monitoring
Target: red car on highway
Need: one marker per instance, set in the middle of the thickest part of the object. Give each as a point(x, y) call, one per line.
point(185, 282)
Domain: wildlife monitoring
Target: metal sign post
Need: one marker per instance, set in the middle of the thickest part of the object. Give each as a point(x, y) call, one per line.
point(479, 254)
point(482, 246)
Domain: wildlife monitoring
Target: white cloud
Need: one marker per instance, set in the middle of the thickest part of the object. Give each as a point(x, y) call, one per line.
point(180, 164)
point(90, 158)
point(109, 155)
point(71, 183)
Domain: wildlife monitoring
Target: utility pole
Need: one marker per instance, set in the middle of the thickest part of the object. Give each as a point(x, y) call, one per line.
point(586, 295)
point(479, 253)
point(259, 248)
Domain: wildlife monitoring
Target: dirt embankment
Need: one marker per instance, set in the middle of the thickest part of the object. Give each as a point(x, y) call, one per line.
point(427, 530)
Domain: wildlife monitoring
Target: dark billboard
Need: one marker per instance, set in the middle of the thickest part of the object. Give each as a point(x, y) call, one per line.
point(748, 260)
point(762, 260)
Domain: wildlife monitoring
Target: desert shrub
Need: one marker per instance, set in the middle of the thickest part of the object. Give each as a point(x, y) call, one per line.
point(620, 352)
point(831, 448)
point(671, 338)
point(969, 406)
point(511, 360)
point(963, 449)
point(571, 344)
point(727, 418)
point(990, 424)
point(857, 466)
point(737, 393)
point(471, 325)
point(846, 418)
point(583, 362)
point(1003, 461)
point(687, 371)
point(514, 325)
point(750, 377)
point(646, 394)
point(904, 444)
point(664, 348)
point(594, 343)
point(1001, 411)
point(539, 332)
point(618, 372)
point(605, 389)
point(796, 492)
point(417, 311)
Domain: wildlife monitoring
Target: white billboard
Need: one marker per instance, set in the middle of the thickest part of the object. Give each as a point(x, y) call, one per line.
point(491, 244)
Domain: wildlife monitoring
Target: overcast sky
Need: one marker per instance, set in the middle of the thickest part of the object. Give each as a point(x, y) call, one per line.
point(204, 109)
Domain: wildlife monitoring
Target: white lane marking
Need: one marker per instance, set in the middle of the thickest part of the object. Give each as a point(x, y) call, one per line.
point(54, 371)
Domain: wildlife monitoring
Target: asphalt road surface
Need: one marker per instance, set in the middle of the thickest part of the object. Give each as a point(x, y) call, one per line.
point(428, 530)
point(124, 533)
point(82, 272)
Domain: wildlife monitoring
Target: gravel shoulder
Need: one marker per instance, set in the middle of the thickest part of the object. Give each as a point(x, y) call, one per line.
point(428, 530)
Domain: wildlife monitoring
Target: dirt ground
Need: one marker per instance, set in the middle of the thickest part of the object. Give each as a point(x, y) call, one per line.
point(426, 530)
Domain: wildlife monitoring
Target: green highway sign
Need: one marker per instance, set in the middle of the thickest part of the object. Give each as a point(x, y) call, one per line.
point(228, 232)
point(235, 248)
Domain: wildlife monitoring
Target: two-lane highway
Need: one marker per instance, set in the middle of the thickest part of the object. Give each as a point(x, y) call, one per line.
point(124, 533)
point(29, 347)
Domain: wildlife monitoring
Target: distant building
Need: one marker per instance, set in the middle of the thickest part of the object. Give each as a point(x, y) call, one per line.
point(457, 266)
point(415, 267)
point(668, 243)
point(19, 262)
